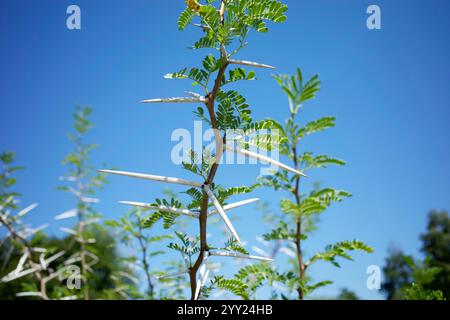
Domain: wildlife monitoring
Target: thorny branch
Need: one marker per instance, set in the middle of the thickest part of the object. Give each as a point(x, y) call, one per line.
point(210, 102)
point(27, 249)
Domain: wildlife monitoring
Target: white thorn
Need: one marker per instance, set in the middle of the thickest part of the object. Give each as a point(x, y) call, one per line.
point(21, 263)
point(42, 261)
point(54, 257)
point(27, 209)
point(250, 64)
point(260, 251)
point(173, 275)
point(154, 178)
point(175, 100)
point(205, 27)
point(68, 214)
point(238, 255)
point(183, 212)
point(234, 205)
point(70, 231)
point(12, 276)
point(90, 200)
point(36, 230)
point(288, 252)
point(197, 288)
point(93, 220)
point(263, 158)
point(69, 298)
point(202, 275)
point(28, 294)
point(221, 212)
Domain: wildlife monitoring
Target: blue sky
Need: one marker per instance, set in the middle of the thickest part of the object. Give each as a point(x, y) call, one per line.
point(388, 89)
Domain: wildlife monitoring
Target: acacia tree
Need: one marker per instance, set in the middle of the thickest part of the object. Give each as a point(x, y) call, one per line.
point(81, 181)
point(225, 25)
point(302, 208)
point(35, 266)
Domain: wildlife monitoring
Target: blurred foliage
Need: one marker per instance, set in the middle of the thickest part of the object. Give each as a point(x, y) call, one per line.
point(103, 283)
point(408, 278)
point(347, 294)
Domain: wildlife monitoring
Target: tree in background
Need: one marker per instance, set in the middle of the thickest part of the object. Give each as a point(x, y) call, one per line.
point(347, 294)
point(436, 246)
point(397, 274)
point(409, 278)
point(21, 259)
point(93, 248)
point(33, 264)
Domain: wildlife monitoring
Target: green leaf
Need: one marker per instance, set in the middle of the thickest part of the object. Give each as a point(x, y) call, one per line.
point(320, 161)
point(234, 286)
point(234, 246)
point(7, 157)
point(283, 232)
point(185, 18)
point(340, 249)
point(238, 74)
point(316, 126)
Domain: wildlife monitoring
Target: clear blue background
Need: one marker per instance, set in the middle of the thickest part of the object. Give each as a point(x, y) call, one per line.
point(389, 90)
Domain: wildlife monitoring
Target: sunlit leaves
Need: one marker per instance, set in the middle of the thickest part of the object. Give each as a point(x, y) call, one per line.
point(319, 201)
point(205, 42)
point(232, 110)
point(198, 76)
point(185, 18)
point(188, 247)
point(238, 74)
point(7, 181)
point(253, 13)
point(224, 193)
point(339, 250)
point(308, 91)
point(240, 15)
point(211, 64)
point(233, 246)
point(316, 126)
point(167, 217)
point(282, 232)
point(197, 165)
point(266, 135)
point(278, 181)
point(315, 203)
point(251, 277)
point(310, 288)
point(296, 90)
point(310, 161)
point(235, 286)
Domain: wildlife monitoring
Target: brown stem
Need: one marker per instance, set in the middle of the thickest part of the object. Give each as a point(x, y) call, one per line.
point(298, 234)
point(145, 262)
point(81, 227)
point(210, 102)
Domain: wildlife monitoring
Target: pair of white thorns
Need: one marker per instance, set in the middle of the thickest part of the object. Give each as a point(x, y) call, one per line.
point(195, 214)
point(185, 212)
